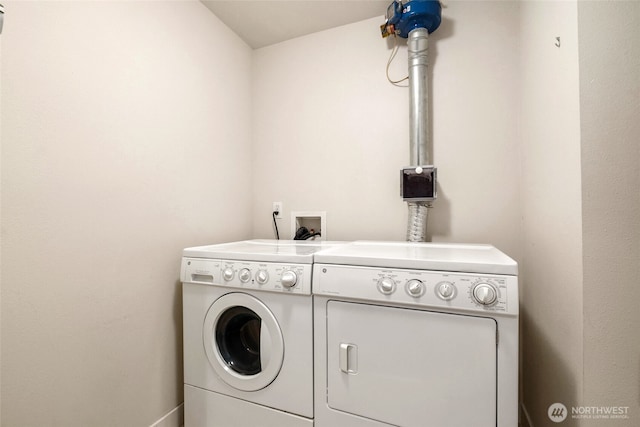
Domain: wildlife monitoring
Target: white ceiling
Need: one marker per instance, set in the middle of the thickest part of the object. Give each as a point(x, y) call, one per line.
point(265, 22)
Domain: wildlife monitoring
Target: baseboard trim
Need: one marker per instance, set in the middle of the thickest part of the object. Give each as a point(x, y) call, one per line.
point(527, 418)
point(174, 418)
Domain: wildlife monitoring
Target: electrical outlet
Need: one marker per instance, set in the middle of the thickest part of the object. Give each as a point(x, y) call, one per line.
point(277, 207)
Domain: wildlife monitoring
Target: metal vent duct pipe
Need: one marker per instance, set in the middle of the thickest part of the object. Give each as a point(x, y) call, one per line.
point(414, 20)
point(418, 47)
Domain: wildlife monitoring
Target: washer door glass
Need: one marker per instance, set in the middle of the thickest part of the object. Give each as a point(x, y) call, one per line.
point(238, 340)
point(243, 341)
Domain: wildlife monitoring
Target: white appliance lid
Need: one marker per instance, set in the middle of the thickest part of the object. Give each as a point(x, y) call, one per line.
point(469, 258)
point(293, 251)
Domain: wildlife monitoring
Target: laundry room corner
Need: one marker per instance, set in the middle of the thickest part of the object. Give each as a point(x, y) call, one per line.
point(156, 157)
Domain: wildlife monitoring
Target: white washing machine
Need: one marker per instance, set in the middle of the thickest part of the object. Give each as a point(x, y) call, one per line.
point(415, 335)
point(248, 334)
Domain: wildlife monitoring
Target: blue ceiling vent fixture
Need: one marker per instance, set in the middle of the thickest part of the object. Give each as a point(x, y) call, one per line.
point(414, 14)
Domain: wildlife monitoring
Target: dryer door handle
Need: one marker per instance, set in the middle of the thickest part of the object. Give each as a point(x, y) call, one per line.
point(348, 358)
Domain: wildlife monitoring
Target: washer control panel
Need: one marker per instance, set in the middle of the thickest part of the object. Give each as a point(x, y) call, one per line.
point(264, 276)
point(462, 291)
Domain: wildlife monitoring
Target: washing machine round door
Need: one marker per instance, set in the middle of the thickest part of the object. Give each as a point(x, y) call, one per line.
point(243, 341)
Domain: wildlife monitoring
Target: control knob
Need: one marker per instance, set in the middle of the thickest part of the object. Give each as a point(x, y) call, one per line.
point(415, 288)
point(446, 290)
point(289, 279)
point(262, 277)
point(228, 274)
point(386, 285)
point(485, 293)
point(245, 275)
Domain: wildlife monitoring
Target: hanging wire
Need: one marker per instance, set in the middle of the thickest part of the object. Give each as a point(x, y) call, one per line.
point(275, 224)
point(394, 52)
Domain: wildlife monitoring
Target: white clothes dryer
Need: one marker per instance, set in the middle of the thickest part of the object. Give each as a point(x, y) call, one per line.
point(248, 334)
point(415, 335)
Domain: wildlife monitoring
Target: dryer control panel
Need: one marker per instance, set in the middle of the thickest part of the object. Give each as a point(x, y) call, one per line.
point(440, 290)
point(263, 276)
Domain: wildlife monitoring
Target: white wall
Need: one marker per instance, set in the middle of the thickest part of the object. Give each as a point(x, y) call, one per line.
point(610, 125)
point(551, 268)
point(0, 232)
point(330, 133)
point(122, 127)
